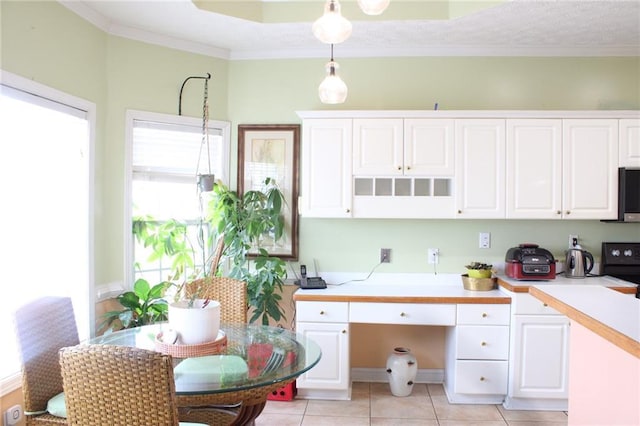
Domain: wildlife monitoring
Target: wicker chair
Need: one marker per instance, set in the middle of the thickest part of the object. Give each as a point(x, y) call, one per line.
point(117, 385)
point(231, 293)
point(42, 328)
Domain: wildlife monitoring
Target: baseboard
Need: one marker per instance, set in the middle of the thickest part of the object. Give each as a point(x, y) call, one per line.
point(537, 404)
point(380, 375)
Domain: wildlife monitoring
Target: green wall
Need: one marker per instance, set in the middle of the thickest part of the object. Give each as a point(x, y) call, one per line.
point(46, 42)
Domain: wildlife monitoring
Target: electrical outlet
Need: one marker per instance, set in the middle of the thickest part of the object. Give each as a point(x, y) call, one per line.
point(485, 240)
point(433, 255)
point(13, 415)
point(573, 237)
point(385, 255)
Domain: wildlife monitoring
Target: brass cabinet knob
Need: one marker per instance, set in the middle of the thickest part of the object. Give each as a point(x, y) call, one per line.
point(484, 315)
point(483, 344)
point(399, 168)
point(558, 212)
point(402, 314)
point(568, 212)
point(321, 312)
point(408, 167)
point(545, 305)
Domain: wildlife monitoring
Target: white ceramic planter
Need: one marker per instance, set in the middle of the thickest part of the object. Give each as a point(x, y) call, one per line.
point(195, 325)
point(402, 368)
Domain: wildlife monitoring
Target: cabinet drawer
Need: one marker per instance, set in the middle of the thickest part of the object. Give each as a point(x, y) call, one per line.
point(481, 377)
point(322, 311)
point(403, 313)
point(484, 314)
point(524, 303)
point(482, 342)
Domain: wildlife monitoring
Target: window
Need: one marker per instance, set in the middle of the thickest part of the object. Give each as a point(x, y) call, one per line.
point(166, 152)
point(45, 170)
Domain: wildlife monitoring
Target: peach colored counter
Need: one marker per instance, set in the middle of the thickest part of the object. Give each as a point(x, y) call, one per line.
point(604, 362)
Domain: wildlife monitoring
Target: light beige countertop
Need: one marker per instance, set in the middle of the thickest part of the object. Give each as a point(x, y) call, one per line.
point(610, 314)
point(402, 288)
point(522, 286)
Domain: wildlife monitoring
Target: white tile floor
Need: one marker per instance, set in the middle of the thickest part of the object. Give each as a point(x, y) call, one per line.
point(372, 404)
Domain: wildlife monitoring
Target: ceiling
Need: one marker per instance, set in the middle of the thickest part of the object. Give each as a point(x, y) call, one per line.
point(263, 29)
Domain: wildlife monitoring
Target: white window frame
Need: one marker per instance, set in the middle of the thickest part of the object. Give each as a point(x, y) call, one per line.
point(133, 115)
point(87, 311)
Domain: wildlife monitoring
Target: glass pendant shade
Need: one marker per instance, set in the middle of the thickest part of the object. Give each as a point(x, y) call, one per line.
point(332, 90)
point(332, 27)
point(373, 7)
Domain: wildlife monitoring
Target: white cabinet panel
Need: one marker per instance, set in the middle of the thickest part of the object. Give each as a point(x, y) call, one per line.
point(534, 168)
point(322, 311)
point(480, 168)
point(483, 314)
point(481, 377)
point(629, 143)
point(377, 147)
point(326, 189)
point(482, 342)
point(402, 313)
point(590, 161)
point(429, 147)
point(332, 371)
point(540, 357)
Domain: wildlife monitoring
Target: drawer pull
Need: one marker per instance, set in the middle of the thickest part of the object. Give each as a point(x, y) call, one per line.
point(321, 312)
point(344, 331)
point(484, 315)
point(482, 379)
point(545, 305)
point(483, 344)
point(402, 314)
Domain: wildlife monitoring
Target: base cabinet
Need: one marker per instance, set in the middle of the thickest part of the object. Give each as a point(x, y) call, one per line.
point(539, 357)
point(327, 325)
point(477, 355)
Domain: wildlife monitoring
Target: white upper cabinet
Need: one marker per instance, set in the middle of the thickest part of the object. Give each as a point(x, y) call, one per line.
point(590, 163)
point(480, 168)
point(629, 143)
point(377, 147)
point(534, 168)
point(326, 162)
point(429, 147)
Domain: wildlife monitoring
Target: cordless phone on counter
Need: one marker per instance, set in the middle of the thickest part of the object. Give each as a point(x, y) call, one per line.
point(310, 283)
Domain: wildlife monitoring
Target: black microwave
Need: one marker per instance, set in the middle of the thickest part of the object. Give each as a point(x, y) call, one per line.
point(629, 194)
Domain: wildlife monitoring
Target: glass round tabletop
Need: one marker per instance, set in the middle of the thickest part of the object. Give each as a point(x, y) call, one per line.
point(254, 356)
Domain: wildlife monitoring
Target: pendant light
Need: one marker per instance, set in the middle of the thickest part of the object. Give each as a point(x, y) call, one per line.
point(332, 90)
point(373, 7)
point(332, 27)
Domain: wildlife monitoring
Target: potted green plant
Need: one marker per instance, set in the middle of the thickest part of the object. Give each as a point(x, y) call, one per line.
point(245, 221)
point(145, 304)
point(479, 270)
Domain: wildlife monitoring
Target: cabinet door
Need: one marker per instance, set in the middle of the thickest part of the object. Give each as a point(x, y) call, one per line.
point(332, 371)
point(377, 147)
point(326, 168)
point(534, 169)
point(590, 169)
point(480, 168)
point(540, 357)
point(429, 147)
point(629, 143)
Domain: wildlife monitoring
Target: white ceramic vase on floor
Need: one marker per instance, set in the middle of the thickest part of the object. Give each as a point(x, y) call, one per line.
point(402, 369)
